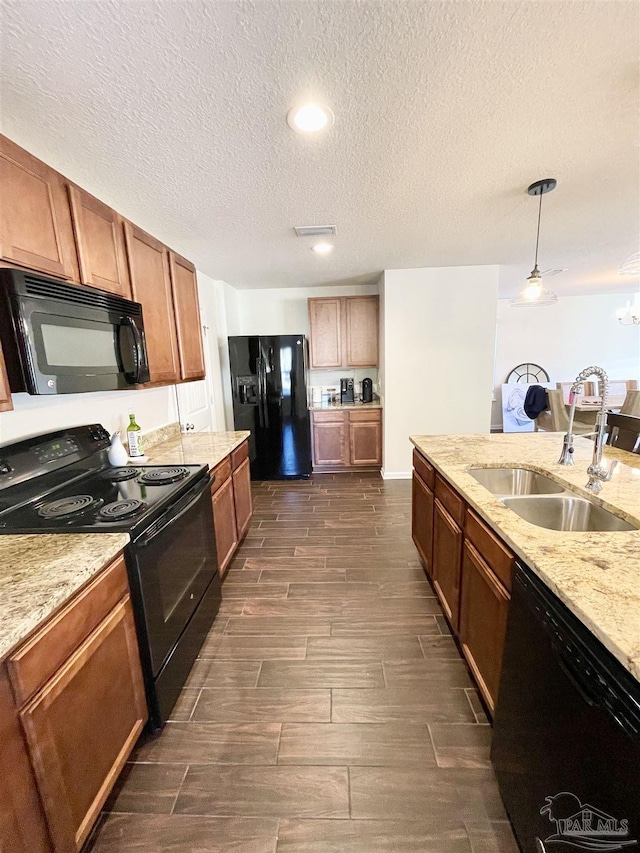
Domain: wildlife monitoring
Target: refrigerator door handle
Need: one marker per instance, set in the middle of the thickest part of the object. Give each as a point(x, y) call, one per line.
point(264, 400)
point(259, 369)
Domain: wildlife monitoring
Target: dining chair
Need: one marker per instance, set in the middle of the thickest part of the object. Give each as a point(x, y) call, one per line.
point(556, 418)
point(631, 405)
point(624, 432)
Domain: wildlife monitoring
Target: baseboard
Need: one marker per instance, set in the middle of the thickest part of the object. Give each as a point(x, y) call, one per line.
point(396, 475)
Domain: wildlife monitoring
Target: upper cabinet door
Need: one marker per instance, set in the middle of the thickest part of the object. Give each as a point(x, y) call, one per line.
point(100, 243)
point(35, 220)
point(325, 321)
point(187, 311)
point(361, 321)
point(151, 285)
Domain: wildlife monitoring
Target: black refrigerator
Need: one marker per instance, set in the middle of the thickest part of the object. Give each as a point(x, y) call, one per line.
point(269, 387)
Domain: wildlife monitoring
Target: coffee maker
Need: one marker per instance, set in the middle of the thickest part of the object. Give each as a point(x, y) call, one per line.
point(367, 391)
point(346, 391)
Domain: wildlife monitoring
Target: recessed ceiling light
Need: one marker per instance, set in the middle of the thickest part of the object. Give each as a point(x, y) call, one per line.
point(322, 248)
point(309, 118)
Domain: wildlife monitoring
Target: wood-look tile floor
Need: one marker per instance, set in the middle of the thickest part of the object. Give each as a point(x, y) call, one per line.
point(330, 710)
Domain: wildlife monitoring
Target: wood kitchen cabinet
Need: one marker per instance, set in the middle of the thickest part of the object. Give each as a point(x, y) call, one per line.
point(484, 608)
point(365, 437)
point(232, 503)
point(224, 514)
point(329, 437)
point(343, 331)
point(100, 242)
point(325, 337)
point(5, 390)
point(447, 550)
point(345, 438)
point(184, 288)
point(470, 568)
point(361, 324)
point(422, 509)
point(242, 497)
point(151, 285)
point(23, 827)
point(80, 696)
point(35, 218)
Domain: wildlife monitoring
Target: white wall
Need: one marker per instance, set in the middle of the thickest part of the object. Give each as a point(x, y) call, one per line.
point(439, 335)
point(31, 415)
point(564, 339)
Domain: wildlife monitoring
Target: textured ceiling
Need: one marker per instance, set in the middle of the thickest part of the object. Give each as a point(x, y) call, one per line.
point(174, 113)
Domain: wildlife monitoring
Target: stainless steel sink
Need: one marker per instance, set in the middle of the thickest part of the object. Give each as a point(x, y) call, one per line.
point(515, 481)
point(565, 512)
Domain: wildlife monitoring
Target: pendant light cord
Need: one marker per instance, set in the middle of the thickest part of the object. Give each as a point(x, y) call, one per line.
point(535, 263)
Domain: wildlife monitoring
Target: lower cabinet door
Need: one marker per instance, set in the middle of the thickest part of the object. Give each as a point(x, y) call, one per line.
point(447, 553)
point(22, 822)
point(82, 725)
point(484, 607)
point(224, 519)
point(365, 443)
point(422, 505)
point(330, 442)
point(242, 497)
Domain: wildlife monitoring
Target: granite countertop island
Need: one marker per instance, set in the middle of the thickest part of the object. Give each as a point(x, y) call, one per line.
point(40, 572)
point(596, 574)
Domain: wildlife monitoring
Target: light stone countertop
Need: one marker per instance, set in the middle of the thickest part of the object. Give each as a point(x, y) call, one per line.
point(195, 448)
point(327, 407)
point(596, 574)
point(40, 572)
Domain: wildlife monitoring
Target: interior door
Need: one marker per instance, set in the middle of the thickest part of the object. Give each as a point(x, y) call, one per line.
point(194, 407)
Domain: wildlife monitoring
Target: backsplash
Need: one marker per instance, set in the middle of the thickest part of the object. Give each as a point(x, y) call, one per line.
point(32, 415)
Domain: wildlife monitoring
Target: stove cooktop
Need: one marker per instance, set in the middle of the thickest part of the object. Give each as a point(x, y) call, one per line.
point(110, 499)
point(61, 482)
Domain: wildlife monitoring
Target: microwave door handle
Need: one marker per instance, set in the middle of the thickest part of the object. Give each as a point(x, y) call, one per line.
point(141, 372)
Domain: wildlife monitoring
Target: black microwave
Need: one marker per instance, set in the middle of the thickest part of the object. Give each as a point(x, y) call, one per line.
point(61, 338)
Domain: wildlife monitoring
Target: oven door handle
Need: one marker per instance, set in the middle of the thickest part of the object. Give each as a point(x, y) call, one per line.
point(161, 524)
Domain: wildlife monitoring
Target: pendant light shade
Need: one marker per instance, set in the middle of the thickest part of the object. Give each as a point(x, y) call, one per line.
point(534, 294)
point(631, 266)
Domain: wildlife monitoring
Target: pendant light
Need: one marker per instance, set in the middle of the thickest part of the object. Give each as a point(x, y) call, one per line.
point(535, 295)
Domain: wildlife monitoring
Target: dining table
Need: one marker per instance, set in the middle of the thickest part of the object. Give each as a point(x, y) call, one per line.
point(591, 403)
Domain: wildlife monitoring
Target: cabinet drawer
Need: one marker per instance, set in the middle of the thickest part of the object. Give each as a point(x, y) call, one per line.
point(374, 415)
point(449, 499)
point(220, 474)
point(498, 557)
point(423, 469)
point(329, 417)
point(239, 455)
point(41, 656)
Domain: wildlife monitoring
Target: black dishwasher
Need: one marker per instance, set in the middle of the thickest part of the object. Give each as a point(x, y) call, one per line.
point(566, 746)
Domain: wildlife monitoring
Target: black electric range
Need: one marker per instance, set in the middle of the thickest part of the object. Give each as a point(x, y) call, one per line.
point(62, 482)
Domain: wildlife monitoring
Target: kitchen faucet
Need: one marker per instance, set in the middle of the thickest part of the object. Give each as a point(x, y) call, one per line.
point(596, 471)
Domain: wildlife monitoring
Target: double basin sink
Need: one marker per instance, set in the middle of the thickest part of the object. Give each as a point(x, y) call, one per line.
point(545, 503)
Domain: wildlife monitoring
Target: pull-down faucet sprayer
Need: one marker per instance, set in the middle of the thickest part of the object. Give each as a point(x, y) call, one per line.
point(597, 473)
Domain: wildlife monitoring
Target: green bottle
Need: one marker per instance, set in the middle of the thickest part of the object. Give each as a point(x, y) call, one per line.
point(134, 439)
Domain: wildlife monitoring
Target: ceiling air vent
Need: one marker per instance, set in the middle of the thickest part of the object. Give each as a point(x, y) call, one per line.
point(315, 230)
